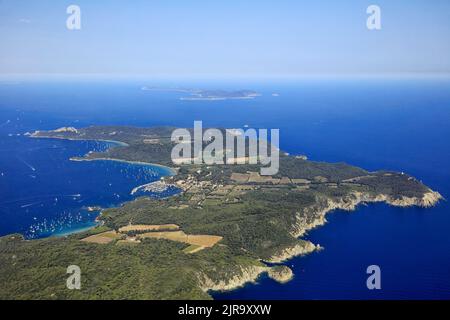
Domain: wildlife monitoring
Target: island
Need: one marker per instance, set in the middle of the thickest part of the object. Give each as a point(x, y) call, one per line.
point(208, 95)
point(226, 227)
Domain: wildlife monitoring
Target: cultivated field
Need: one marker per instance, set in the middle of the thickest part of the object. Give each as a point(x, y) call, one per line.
point(103, 238)
point(200, 241)
point(149, 227)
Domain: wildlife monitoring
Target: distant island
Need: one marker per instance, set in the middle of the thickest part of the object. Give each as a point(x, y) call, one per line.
point(227, 226)
point(208, 95)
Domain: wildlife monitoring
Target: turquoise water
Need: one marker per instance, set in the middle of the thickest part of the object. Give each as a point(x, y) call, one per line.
point(394, 124)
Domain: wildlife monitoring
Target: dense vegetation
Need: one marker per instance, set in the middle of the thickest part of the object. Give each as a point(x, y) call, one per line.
point(154, 269)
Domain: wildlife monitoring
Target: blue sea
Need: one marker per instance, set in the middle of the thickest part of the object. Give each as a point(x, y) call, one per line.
point(389, 123)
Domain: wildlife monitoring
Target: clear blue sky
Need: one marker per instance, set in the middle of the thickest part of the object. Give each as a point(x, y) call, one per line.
point(226, 37)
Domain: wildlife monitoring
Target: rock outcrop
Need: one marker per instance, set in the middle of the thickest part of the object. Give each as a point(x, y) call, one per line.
point(287, 253)
point(246, 275)
point(281, 274)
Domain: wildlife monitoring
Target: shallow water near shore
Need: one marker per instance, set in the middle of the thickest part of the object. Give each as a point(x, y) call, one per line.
point(394, 124)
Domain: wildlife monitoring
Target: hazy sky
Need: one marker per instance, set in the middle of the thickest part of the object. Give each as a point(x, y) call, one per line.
point(226, 37)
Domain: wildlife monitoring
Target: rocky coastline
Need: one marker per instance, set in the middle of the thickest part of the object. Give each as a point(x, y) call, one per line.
point(301, 227)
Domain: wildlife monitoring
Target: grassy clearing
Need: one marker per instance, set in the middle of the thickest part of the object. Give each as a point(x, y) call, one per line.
point(192, 248)
point(103, 238)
